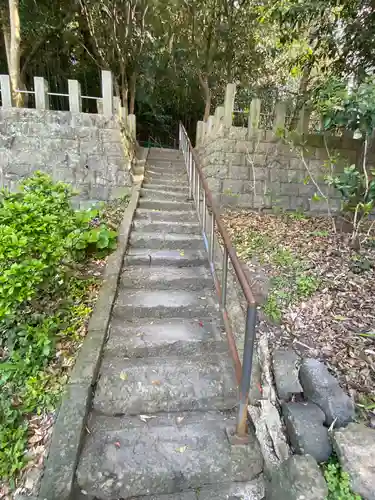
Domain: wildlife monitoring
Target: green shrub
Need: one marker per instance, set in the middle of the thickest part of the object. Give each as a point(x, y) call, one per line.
point(41, 238)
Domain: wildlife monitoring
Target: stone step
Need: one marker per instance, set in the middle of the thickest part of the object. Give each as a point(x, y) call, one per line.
point(177, 188)
point(160, 384)
point(249, 490)
point(166, 176)
point(167, 226)
point(165, 278)
point(165, 164)
point(158, 194)
point(164, 153)
point(140, 256)
point(163, 304)
point(174, 216)
point(171, 241)
point(165, 337)
point(165, 205)
point(174, 454)
point(170, 183)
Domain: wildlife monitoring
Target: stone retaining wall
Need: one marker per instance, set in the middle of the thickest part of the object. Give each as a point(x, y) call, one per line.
point(258, 170)
point(89, 151)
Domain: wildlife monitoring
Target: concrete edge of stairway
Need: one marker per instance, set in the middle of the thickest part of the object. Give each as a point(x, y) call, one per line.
point(67, 437)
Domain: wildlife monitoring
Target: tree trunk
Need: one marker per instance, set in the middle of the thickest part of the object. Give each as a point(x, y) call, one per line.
point(133, 79)
point(203, 80)
point(6, 34)
point(15, 52)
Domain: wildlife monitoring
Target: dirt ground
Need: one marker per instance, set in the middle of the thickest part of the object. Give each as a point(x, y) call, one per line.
point(317, 292)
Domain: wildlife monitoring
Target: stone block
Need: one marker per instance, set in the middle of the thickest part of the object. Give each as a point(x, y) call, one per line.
point(232, 186)
point(280, 201)
point(262, 201)
point(297, 164)
point(243, 147)
point(245, 200)
point(278, 174)
point(240, 173)
point(289, 188)
point(307, 434)
point(218, 171)
point(296, 175)
point(113, 148)
point(320, 387)
point(285, 370)
point(355, 447)
point(306, 190)
point(258, 160)
point(110, 135)
point(91, 147)
point(259, 173)
point(214, 184)
point(229, 200)
point(298, 478)
point(236, 158)
point(99, 192)
point(298, 203)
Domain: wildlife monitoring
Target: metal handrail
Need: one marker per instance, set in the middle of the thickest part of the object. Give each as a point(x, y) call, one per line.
point(198, 184)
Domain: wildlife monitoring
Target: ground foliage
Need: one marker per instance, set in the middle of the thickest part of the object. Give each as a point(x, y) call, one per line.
point(320, 292)
point(52, 258)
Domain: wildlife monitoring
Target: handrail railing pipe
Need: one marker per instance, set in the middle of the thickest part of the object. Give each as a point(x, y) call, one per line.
point(206, 209)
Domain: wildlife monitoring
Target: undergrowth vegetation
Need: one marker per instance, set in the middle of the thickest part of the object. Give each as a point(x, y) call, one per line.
point(292, 279)
point(44, 303)
point(338, 481)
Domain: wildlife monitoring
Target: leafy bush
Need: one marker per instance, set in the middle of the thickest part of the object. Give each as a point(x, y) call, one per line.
point(41, 237)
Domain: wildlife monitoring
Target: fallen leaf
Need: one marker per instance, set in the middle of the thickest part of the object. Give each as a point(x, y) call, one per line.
point(123, 376)
point(181, 449)
point(117, 444)
point(155, 382)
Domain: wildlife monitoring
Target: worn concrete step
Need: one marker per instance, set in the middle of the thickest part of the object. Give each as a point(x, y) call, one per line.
point(164, 153)
point(165, 205)
point(163, 304)
point(174, 216)
point(167, 226)
point(167, 176)
point(177, 188)
point(165, 337)
point(172, 454)
point(165, 164)
point(159, 194)
point(170, 183)
point(165, 278)
point(140, 256)
point(249, 490)
point(140, 239)
point(153, 385)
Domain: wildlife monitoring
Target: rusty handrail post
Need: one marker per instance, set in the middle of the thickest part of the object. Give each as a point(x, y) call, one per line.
point(247, 364)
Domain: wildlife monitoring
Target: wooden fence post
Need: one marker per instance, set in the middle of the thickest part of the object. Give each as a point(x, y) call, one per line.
point(6, 93)
point(75, 101)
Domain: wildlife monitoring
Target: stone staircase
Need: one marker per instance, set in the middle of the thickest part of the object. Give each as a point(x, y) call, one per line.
point(166, 393)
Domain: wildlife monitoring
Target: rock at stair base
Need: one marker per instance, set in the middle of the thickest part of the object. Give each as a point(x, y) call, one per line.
point(307, 434)
point(320, 387)
point(298, 478)
point(286, 374)
point(355, 448)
